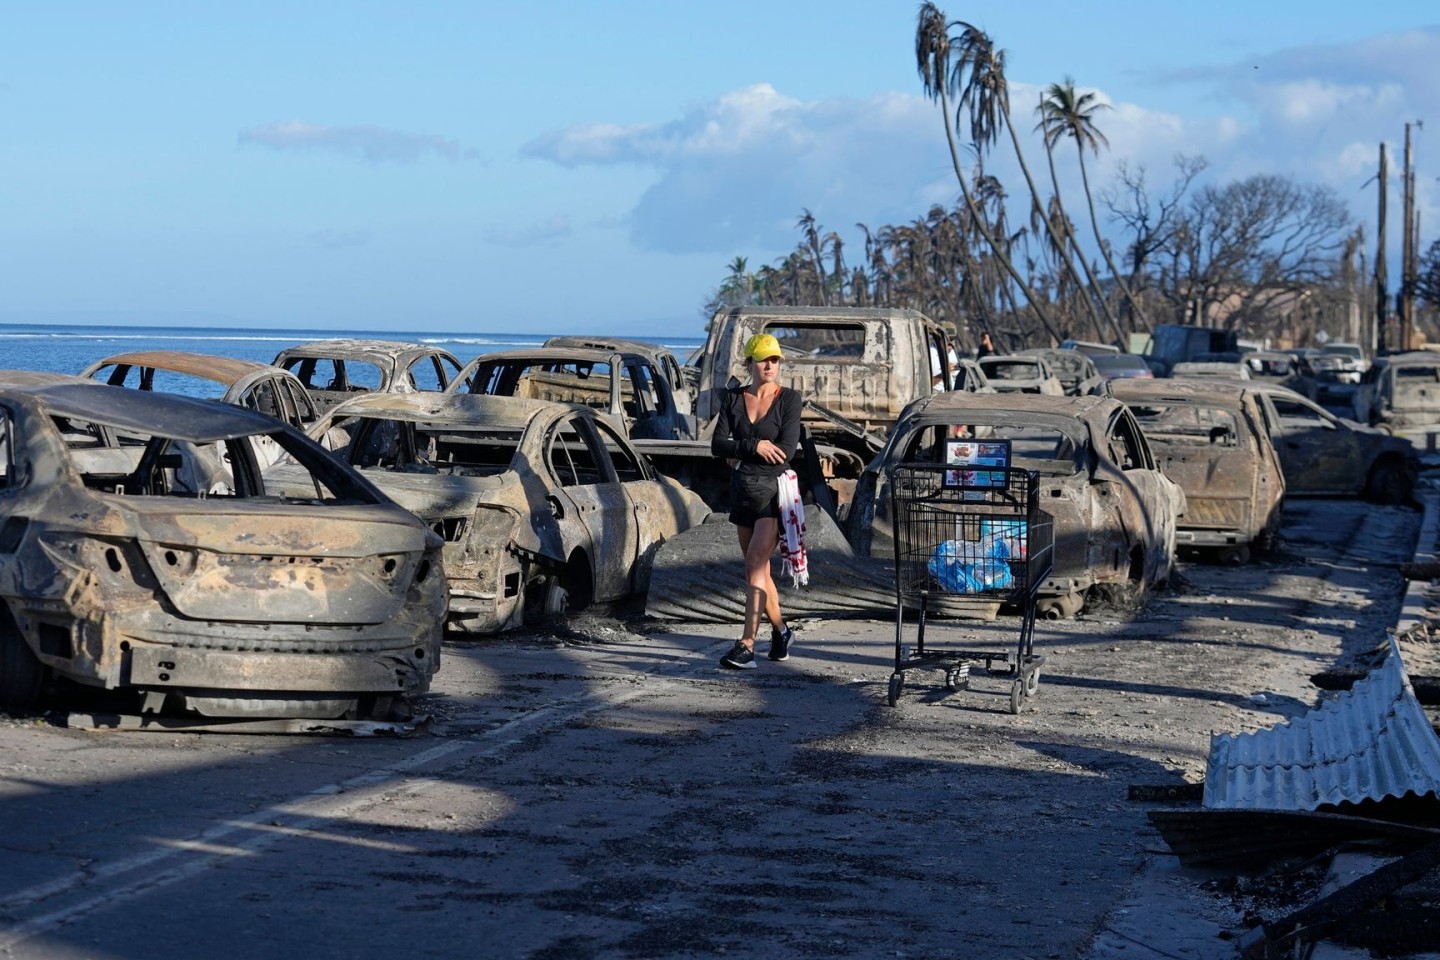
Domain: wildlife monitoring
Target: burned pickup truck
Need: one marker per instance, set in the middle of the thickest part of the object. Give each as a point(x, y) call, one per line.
point(217, 596)
point(858, 366)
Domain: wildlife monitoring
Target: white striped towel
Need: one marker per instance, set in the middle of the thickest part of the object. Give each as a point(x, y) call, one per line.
point(792, 530)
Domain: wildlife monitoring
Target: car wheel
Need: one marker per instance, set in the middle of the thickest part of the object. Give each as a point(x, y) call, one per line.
point(1389, 482)
point(22, 675)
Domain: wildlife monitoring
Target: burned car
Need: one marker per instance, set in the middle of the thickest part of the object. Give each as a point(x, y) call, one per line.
point(1021, 374)
point(1403, 393)
point(626, 387)
point(967, 377)
point(333, 371)
point(1283, 369)
point(663, 359)
point(117, 572)
point(1115, 510)
point(544, 507)
point(1323, 455)
point(1076, 372)
point(245, 383)
point(1212, 439)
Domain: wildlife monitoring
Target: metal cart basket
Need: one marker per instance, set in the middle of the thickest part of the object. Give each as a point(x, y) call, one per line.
point(972, 537)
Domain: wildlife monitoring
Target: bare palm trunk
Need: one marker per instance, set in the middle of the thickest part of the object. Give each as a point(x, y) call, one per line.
point(1105, 250)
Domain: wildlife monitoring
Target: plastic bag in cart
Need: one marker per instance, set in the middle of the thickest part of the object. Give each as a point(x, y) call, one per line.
point(962, 566)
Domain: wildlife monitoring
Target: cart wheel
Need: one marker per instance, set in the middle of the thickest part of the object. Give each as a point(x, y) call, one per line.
point(897, 683)
point(957, 678)
point(1032, 682)
point(1017, 695)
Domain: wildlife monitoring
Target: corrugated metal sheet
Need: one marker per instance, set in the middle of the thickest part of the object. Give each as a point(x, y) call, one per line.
point(1373, 741)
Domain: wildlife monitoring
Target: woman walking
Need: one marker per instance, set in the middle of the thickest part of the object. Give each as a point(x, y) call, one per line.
point(758, 430)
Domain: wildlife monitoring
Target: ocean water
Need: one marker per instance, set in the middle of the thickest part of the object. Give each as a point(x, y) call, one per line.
point(69, 349)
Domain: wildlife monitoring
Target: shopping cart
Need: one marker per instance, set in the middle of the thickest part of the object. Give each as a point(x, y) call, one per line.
point(971, 540)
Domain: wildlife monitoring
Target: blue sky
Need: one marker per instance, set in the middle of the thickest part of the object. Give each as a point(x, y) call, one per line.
point(593, 167)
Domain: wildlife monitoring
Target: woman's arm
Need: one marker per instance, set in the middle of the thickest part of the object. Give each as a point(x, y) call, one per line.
point(723, 442)
point(790, 406)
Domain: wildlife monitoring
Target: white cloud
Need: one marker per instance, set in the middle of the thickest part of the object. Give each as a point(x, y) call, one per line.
point(732, 175)
point(370, 143)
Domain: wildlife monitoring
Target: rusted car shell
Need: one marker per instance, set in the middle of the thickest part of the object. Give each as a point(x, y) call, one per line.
point(1406, 392)
point(864, 364)
point(246, 604)
point(1325, 455)
point(399, 366)
point(1015, 373)
point(1076, 372)
point(482, 474)
point(639, 401)
point(662, 357)
point(1211, 438)
point(1114, 510)
point(245, 383)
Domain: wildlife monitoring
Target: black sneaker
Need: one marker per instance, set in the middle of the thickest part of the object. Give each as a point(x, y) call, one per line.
point(740, 657)
point(780, 643)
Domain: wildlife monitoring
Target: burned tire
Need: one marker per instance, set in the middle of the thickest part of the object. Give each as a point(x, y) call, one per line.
point(22, 675)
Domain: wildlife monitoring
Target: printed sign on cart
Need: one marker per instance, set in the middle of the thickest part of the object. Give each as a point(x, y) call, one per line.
point(971, 457)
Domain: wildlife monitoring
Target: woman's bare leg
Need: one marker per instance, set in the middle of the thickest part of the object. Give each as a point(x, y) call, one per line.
point(758, 544)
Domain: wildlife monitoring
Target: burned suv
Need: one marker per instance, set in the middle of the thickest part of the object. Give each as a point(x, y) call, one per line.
point(143, 548)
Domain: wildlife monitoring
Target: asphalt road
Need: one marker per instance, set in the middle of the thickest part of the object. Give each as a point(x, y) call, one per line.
point(608, 792)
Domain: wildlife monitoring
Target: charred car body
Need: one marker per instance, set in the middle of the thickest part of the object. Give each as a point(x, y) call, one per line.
point(626, 387)
point(116, 573)
point(245, 383)
point(1212, 439)
point(1403, 393)
point(333, 371)
point(1115, 511)
point(1323, 455)
point(858, 366)
point(1076, 372)
point(1016, 373)
point(543, 507)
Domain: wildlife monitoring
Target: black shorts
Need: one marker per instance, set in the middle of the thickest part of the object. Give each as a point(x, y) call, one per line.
point(753, 496)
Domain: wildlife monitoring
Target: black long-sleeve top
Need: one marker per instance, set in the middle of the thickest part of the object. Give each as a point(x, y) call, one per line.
point(735, 437)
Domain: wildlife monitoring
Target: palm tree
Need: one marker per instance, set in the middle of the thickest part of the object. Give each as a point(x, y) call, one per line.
point(933, 61)
point(979, 76)
point(1065, 112)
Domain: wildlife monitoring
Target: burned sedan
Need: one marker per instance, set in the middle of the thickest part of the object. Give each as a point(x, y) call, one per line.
point(118, 571)
point(544, 507)
point(1211, 438)
point(627, 387)
point(1115, 511)
point(244, 383)
point(333, 371)
point(1021, 374)
point(1324, 455)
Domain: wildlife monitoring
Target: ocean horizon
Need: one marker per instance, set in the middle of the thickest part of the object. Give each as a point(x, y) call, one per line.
point(70, 348)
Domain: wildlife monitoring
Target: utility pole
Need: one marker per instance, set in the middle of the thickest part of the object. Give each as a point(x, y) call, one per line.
point(1382, 271)
point(1408, 258)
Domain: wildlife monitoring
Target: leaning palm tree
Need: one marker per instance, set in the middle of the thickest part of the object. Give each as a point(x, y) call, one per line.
point(984, 91)
point(933, 60)
point(1065, 112)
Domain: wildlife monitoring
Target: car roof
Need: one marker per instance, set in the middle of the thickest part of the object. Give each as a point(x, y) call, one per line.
point(432, 406)
point(147, 412)
point(1212, 390)
point(359, 347)
point(39, 378)
point(226, 370)
point(958, 404)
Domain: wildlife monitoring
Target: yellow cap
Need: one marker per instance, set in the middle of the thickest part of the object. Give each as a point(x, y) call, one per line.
point(762, 346)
